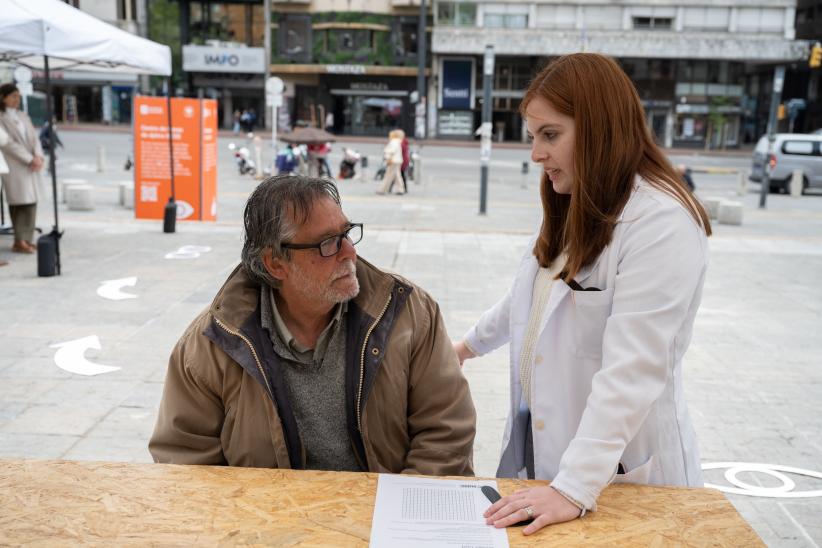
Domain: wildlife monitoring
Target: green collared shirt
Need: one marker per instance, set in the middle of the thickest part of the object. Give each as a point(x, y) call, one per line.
point(273, 321)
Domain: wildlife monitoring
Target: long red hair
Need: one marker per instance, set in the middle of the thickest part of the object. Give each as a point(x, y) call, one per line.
point(612, 146)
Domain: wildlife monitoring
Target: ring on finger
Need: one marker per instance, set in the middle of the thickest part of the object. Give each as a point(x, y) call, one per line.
point(530, 511)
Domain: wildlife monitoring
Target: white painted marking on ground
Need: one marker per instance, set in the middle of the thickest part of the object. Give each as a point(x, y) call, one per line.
point(188, 252)
point(742, 488)
point(70, 356)
point(111, 289)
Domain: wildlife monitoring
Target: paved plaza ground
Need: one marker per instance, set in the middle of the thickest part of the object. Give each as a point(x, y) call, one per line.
point(753, 373)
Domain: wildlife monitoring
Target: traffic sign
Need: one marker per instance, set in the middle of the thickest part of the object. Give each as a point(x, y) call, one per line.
point(22, 75)
point(274, 85)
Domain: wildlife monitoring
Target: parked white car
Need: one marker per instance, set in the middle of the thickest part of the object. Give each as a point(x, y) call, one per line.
point(790, 151)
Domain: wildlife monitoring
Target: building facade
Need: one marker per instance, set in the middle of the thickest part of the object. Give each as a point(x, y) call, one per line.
point(702, 70)
point(350, 65)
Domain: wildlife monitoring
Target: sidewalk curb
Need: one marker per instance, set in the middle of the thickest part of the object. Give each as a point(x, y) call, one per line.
point(265, 135)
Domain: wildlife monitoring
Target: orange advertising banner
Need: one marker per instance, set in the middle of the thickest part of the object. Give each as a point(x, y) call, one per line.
point(194, 135)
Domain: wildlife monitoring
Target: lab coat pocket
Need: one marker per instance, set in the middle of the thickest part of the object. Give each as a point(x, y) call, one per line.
point(641, 474)
point(591, 310)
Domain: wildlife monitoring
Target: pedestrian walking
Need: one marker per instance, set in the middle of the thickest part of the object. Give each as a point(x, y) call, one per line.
point(602, 307)
point(392, 154)
point(406, 160)
point(687, 178)
point(45, 140)
point(24, 157)
point(235, 128)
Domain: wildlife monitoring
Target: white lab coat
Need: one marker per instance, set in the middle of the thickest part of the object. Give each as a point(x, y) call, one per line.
point(607, 373)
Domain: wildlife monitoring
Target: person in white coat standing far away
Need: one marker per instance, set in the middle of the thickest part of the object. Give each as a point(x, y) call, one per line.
point(602, 307)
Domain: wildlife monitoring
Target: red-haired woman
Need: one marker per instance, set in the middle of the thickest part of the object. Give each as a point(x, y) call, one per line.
point(602, 307)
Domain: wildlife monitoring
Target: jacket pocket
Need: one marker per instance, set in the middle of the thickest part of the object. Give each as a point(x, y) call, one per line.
point(591, 310)
point(641, 474)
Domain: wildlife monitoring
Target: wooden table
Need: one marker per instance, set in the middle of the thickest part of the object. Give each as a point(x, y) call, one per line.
point(51, 503)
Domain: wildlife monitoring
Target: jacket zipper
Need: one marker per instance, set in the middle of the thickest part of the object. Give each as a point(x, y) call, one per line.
point(253, 353)
point(362, 362)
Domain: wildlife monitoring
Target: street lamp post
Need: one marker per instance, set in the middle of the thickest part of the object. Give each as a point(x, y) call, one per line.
point(485, 128)
point(776, 96)
point(422, 35)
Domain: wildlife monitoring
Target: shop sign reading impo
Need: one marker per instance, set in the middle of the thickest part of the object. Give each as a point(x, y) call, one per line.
point(223, 59)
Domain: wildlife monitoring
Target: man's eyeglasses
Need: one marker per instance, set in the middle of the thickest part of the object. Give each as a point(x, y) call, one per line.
point(331, 245)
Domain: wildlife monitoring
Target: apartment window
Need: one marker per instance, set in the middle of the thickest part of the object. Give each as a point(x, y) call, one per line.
point(457, 14)
point(505, 16)
point(127, 10)
point(602, 17)
point(342, 40)
point(556, 16)
point(294, 35)
point(653, 23)
point(505, 21)
point(760, 20)
point(706, 18)
point(407, 42)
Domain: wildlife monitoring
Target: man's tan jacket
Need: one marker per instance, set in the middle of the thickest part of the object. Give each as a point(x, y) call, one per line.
point(408, 405)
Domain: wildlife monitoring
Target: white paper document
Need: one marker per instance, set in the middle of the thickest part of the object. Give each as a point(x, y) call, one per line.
point(426, 513)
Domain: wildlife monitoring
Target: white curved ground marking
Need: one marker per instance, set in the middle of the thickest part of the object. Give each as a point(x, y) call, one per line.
point(774, 470)
point(70, 356)
point(111, 289)
point(188, 252)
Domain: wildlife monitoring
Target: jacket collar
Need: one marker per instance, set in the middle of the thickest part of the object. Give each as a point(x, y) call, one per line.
point(240, 295)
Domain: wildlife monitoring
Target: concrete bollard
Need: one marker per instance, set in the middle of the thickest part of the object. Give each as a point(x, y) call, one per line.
point(712, 205)
point(797, 183)
point(101, 158)
point(417, 167)
point(742, 188)
point(730, 213)
point(80, 197)
point(127, 194)
point(65, 183)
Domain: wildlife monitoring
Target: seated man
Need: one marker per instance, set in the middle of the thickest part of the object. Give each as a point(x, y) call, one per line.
point(310, 358)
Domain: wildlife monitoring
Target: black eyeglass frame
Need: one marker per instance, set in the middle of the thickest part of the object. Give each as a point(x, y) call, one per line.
point(339, 237)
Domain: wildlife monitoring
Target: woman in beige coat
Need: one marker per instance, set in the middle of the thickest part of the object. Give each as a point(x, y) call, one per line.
point(393, 161)
point(24, 157)
point(4, 167)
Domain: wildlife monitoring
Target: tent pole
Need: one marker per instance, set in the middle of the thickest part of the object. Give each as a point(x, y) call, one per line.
point(170, 214)
point(55, 231)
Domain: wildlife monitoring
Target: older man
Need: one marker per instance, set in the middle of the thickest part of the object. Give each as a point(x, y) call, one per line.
point(312, 358)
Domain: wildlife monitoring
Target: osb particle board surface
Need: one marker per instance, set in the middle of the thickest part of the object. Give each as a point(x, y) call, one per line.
point(50, 503)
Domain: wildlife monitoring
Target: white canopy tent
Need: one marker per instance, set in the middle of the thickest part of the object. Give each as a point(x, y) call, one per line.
point(50, 34)
point(33, 29)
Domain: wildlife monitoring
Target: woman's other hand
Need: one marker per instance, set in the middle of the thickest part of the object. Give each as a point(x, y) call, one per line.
point(547, 507)
point(463, 352)
point(36, 163)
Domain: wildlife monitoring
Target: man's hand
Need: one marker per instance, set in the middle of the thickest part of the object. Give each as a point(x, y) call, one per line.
point(547, 507)
point(463, 352)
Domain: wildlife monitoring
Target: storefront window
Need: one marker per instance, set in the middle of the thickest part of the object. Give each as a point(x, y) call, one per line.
point(691, 127)
point(364, 115)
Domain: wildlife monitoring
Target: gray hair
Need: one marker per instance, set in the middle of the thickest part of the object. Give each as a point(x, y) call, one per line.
point(273, 214)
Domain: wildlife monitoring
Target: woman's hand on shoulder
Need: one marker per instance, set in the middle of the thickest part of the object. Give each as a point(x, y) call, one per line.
point(546, 504)
point(463, 352)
